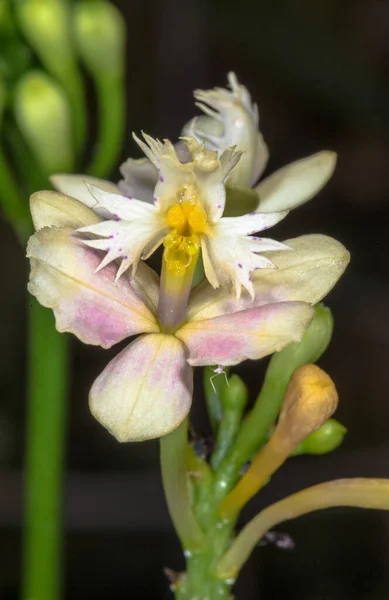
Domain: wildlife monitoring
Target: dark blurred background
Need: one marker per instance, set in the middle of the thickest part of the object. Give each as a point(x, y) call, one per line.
point(319, 72)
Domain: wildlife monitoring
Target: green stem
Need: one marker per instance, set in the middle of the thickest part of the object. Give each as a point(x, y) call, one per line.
point(46, 425)
point(253, 432)
point(71, 81)
point(212, 396)
point(111, 106)
point(11, 200)
point(233, 399)
point(33, 177)
point(175, 483)
point(359, 492)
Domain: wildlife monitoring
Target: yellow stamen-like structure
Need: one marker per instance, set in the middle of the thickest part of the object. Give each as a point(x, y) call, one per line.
point(187, 220)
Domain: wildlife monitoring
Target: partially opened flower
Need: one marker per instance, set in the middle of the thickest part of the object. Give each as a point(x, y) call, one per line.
point(232, 119)
point(146, 391)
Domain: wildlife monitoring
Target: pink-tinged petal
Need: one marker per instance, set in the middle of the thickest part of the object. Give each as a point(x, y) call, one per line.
point(251, 333)
point(146, 285)
point(306, 273)
point(90, 305)
point(139, 179)
point(76, 186)
point(146, 391)
point(296, 183)
point(51, 209)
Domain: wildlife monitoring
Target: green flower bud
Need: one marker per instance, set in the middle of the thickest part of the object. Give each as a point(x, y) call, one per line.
point(101, 34)
point(324, 440)
point(47, 26)
point(234, 395)
point(43, 117)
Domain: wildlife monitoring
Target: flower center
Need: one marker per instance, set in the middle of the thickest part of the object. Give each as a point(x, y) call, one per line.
point(187, 220)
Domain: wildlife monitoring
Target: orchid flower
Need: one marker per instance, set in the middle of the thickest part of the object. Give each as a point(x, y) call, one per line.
point(146, 390)
point(186, 216)
point(230, 119)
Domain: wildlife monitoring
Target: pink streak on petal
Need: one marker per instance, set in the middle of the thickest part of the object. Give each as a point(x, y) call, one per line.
point(90, 305)
point(252, 333)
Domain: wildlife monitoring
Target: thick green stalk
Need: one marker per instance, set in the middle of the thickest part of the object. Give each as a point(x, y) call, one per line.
point(111, 125)
point(46, 426)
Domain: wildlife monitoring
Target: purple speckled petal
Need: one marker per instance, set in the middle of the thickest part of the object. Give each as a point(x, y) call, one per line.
point(251, 333)
point(90, 305)
point(146, 391)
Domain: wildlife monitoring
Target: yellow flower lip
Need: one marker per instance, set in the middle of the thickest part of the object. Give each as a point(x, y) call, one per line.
point(187, 220)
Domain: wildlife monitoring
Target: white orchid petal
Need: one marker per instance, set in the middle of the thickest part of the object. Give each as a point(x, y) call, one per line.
point(146, 391)
point(295, 183)
point(230, 256)
point(307, 273)
point(139, 179)
point(231, 120)
point(91, 306)
point(250, 223)
point(136, 227)
point(252, 333)
point(52, 209)
point(261, 159)
point(171, 173)
point(76, 186)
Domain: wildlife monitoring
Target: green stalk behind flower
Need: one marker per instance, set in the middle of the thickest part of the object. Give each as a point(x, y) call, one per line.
point(47, 26)
point(101, 35)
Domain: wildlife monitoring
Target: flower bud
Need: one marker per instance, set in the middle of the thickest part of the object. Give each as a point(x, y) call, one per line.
point(42, 115)
point(234, 395)
point(100, 34)
point(310, 399)
point(233, 398)
point(46, 25)
point(326, 439)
